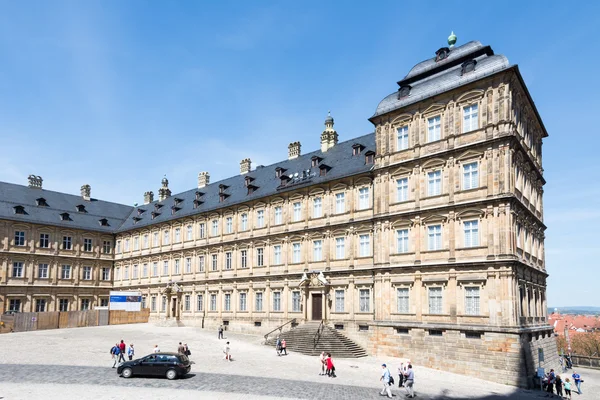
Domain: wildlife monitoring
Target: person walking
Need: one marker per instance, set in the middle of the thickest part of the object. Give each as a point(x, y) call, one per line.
point(187, 350)
point(385, 378)
point(227, 351)
point(577, 378)
point(568, 388)
point(551, 379)
point(330, 367)
point(410, 381)
point(284, 347)
point(156, 349)
point(278, 346)
point(122, 347)
point(401, 371)
point(180, 349)
point(220, 332)
point(130, 352)
point(558, 383)
point(323, 360)
point(116, 352)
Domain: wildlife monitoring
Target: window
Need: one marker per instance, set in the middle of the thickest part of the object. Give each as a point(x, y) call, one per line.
point(364, 249)
point(126, 247)
point(153, 303)
point(402, 139)
point(155, 239)
point(277, 254)
point(17, 271)
point(260, 257)
point(242, 301)
point(187, 302)
point(434, 237)
point(295, 301)
point(165, 268)
point(44, 240)
point(145, 271)
point(136, 243)
point(200, 263)
point(402, 189)
point(472, 300)
point(278, 215)
point(215, 228)
point(201, 231)
point(154, 269)
point(106, 247)
point(340, 203)
point(339, 300)
point(318, 250)
point(177, 270)
point(402, 241)
point(19, 238)
point(143, 301)
point(258, 305)
point(14, 305)
point(260, 219)
point(317, 207)
point(471, 233)
point(363, 199)
point(470, 118)
point(402, 298)
point(364, 300)
point(40, 305)
point(199, 302)
point(435, 300)
point(244, 223)
point(85, 304)
point(164, 303)
point(227, 306)
point(87, 273)
point(87, 244)
point(244, 257)
point(117, 274)
point(276, 301)
point(189, 232)
point(63, 305)
point(228, 260)
point(214, 262)
point(65, 272)
point(43, 271)
point(103, 302)
point(118, 246)
point(188, 265)
point(105, 274)
point(213, 302)
point(67, 243)
point(434, 183)
point(177, 235)
point(470, 176)
point(126, 272)
point(297, 211)
point(166, 237)
point(340, 248)
point(434, 129)
point(296, 256)
point(229, 225)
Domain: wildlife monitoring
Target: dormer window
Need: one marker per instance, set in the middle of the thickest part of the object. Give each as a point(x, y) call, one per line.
point(357, 148)
point(41, 202)
point(80, 208)
point(404, 91)
point(174, 210)
point(154, 214)
point(65, 217)
point(248, 180)
point(468, 66)
point(252, 189)
point(369, 157)
point(140, 211)
point(197, 203)
point(136, 220)
point(222, 188)
point(315, 161)
point(177, 200)
point(323, 169)
point(442, 54)
point(198, 195)
point(279, 171)
point(284, 180)
point(103, 222)
point(157, 207)
point(222, 197)
point(19, 210)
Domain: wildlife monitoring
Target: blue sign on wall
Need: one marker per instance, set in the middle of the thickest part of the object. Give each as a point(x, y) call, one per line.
point(125, 299)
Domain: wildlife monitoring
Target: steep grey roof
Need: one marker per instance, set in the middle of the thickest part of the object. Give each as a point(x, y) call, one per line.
point(12, 195)
point(339, 158)
point(429, 78)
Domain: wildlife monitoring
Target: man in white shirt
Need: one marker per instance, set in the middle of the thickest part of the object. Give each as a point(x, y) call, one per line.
point(410, 380)
point(385, 378)
point(226, 350)
point(156, 349)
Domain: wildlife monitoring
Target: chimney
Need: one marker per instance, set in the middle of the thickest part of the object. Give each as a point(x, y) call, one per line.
point(35, 181)
point(329, 137)
point(86, 192)
point(293, 150)
point(245, 166)
point(203, 179)
point(164, 191)
point(148, 197)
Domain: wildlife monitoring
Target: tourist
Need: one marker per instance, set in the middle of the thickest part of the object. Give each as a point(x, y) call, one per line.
point(180, 349)
point(130, 352)
point(385, 378)
point(578, 381)
point(278, 346)
point(330, 367)
point(410, 381)
point(114, 351)
point(227, 351)
point(122, 351)
point(551, 379)
point(220, 332)
point(323, 360)
point(401, 372)
point(156, 349)
point(568, 388)
point(284, 347)
point(187, 350)
point(559, 385)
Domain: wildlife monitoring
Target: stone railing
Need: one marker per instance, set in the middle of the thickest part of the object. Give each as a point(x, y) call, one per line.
point(584, 361)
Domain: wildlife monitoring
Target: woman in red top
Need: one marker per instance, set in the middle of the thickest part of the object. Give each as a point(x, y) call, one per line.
point(330, 366)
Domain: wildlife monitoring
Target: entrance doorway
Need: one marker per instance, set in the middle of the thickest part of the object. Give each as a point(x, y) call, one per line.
point(174, 309)
point(317, 307)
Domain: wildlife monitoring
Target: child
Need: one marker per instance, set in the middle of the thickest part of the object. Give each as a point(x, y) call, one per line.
point(568, 388)
point(323, 363)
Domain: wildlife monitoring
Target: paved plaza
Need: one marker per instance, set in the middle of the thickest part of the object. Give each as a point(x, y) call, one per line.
point(75, 364)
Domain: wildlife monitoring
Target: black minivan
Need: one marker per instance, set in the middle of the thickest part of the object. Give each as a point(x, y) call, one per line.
point(171, 365)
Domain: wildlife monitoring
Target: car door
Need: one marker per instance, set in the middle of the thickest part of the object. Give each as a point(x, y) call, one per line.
point(147, 365)
point(162, 365)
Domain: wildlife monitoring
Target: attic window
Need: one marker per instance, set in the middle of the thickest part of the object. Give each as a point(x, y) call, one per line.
point(404, 91)
point(222, 188)
point(247, 180)
point(103, 222)
point(140, 211)
point(357, 148)
point(252, 189)
point(198, 195)
point(65, 217)
point(369, 157)
point(174, 210)
point(157, 206)
point(279, 171)
point(80, 208)
point(41, 202)
point(442, 54)
point(323, 169)
point(222, 197)
point(468, 66)
point(154, 214)
point(19, 210)
point(284, 180)
point(197, 203)
point(315, 161)
point(177, 200)
point(136, 220)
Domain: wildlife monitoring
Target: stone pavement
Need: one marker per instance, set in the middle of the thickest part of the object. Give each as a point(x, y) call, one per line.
point(46, 363)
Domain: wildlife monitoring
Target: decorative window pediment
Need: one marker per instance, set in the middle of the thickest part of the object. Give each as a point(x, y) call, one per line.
point(433, 163)
point(469, 155)
point(435, 218)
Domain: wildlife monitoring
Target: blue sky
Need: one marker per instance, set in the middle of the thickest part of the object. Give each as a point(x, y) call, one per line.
point(116, 94)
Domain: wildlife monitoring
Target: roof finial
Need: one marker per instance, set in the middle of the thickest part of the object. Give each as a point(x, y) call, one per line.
point(452, 39)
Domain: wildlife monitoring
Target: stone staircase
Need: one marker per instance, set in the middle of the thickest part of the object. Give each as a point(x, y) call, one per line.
point(303, 339)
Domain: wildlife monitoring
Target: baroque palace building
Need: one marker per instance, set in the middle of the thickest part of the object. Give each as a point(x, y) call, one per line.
point(424, 239)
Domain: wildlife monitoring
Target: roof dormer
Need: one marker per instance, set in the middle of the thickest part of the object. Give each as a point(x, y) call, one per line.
point(357, 148)
point(315, 160)
point(41, 202)
point(279, 171)
point(80, 208)
point(103, 222)
point(19, 210)
point(65, 217)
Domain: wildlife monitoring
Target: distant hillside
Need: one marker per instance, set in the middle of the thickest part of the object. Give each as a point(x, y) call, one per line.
point(576, 310)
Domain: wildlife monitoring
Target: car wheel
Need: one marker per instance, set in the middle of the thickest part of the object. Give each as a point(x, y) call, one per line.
point(126, 373)
point(171, 374)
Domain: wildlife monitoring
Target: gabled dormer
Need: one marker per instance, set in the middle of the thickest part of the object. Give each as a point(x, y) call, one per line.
point(80, 208)
point(41, 202)
point(65, 217)
point(279, 171)
point(357, 148)
point(315, 160)
point(19, 210)
point(177, 201)
point(103, 222)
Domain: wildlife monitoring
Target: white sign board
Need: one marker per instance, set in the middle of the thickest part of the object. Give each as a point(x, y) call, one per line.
point(128, 301)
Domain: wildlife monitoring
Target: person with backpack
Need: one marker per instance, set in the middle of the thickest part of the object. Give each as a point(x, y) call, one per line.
point(115, 351)
point(278, 346)
point(551, 380)
point(130, 352)
point(387, 382)
point(220, 331)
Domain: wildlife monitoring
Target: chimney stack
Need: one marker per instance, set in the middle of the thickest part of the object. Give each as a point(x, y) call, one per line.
point(148, 197)
point(35, 181)
point(164, 191)
point(203, 179)
point(86, 192)
point(293, 150)
point(329, 137)
point(245, 166)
